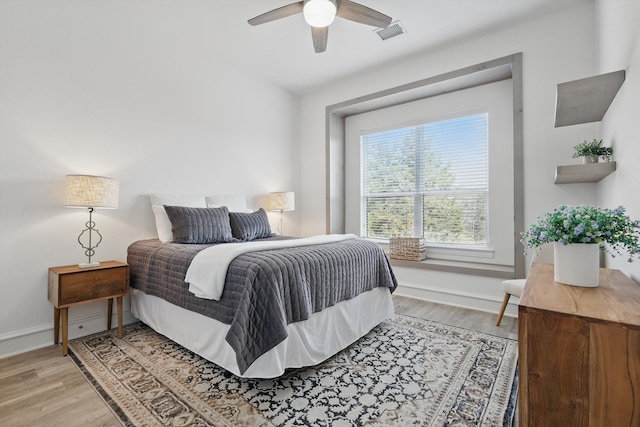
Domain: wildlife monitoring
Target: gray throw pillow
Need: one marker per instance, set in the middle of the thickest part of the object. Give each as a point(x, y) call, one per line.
point(199, 225)
point(250, 226)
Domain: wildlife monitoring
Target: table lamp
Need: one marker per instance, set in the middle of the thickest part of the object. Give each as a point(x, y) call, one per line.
point(282, 201)
point(90, 192)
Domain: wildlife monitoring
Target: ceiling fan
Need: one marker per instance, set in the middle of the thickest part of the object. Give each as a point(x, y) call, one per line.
point(321, 13)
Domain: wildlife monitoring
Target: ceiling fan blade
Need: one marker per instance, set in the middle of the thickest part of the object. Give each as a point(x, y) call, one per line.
point(281, 12)
point(320, 36)
point(356, 12)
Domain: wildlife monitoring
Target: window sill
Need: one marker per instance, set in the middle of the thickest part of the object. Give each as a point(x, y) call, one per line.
point(461, 267)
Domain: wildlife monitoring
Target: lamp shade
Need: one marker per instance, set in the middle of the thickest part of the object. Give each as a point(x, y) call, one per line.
point(319, 13)
point(88, 191)
point(282, 201)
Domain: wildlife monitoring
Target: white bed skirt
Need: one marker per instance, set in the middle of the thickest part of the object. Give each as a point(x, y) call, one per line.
point(308, 343)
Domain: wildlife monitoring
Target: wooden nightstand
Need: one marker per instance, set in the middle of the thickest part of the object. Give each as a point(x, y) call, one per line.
point(71, 285)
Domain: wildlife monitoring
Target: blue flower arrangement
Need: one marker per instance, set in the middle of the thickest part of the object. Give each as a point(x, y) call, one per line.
point(587, 224)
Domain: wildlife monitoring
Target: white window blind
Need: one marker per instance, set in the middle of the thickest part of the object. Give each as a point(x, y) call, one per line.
point(429, 181)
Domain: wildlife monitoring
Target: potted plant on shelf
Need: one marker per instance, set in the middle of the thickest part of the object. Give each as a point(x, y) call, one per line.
point(578, 233)
point(592, 151)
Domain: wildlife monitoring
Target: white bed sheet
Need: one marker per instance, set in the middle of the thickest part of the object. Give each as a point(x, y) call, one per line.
point(308, 343)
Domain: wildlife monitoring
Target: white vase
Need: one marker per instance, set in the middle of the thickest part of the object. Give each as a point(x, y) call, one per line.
point(577, 264)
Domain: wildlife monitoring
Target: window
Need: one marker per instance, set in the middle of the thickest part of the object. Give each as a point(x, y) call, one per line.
point(440, 168)
point(429, 180)
point(494, 87)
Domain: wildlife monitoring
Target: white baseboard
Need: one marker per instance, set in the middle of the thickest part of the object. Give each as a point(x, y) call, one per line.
point(24, 340)
point(474, 301)
point(18, 342)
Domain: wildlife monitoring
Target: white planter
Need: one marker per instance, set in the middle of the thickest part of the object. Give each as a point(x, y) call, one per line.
point(577, 264)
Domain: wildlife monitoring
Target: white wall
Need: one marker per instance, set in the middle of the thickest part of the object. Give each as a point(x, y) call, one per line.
point(555, 49)
point(132, 102)
point(619, 49)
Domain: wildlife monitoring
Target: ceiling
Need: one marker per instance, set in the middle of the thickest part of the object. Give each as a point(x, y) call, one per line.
point(202, 32)
point(283, 52)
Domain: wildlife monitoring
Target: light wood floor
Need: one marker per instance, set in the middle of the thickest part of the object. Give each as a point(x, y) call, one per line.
point(42, 388)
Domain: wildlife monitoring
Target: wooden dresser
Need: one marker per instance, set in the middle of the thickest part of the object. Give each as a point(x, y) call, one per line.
point(579, 351)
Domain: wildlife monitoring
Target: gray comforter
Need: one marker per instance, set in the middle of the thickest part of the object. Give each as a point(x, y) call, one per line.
point(264, 291)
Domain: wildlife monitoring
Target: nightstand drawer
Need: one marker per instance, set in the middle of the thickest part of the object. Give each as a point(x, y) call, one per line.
point(71, 285)
point(92, 284)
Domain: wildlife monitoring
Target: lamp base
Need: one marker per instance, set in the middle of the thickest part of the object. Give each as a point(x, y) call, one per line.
point(89, 264)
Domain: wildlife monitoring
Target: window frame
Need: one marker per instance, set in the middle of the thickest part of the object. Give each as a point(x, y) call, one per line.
point(508, 67)
point(419, 194)
point(494, 98)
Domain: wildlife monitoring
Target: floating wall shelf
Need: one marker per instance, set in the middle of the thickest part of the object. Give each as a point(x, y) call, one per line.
point(586, 100)
point(588, 172)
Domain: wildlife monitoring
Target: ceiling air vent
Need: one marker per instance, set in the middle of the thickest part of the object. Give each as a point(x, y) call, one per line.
point(394, 29)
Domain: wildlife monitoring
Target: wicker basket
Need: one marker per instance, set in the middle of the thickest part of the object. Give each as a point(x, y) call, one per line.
point(408, 248)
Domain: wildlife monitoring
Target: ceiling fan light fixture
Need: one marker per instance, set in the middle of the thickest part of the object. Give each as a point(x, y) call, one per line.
point(319, 13)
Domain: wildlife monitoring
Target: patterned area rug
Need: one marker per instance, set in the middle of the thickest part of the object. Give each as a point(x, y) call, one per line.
point(405, 372)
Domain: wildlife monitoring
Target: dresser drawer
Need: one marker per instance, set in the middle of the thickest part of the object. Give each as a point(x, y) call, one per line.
point(92, 284)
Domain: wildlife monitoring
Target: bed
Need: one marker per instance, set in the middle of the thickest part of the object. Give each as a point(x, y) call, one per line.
point(283, 303)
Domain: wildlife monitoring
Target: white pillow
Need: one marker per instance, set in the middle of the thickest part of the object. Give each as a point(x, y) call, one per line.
point(163, 224)
point(234, 202)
